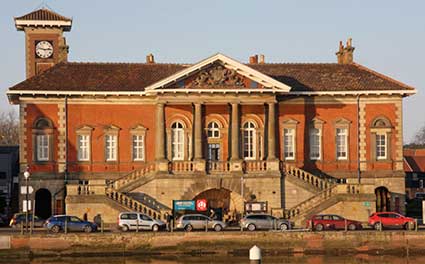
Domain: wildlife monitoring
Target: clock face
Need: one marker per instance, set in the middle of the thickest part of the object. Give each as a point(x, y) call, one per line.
point(44, 49)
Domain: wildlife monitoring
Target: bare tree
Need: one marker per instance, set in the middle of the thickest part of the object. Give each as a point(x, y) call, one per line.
point(9, 128)
point(419, 140)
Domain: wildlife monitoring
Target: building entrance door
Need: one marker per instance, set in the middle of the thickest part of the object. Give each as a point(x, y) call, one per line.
point(218, 201)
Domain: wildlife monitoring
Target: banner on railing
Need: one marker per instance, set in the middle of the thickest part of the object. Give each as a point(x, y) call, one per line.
point(255, 207)
point(181, 205)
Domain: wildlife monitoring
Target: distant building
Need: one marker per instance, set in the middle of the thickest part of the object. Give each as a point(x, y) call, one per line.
point(299, 138)
point(414, 167)
point(9, 173)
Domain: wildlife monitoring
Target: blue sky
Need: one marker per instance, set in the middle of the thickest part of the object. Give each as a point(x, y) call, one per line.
point(389, 36)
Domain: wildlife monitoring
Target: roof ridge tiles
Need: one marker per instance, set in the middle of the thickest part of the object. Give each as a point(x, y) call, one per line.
point(383, 76)
point(121, 63)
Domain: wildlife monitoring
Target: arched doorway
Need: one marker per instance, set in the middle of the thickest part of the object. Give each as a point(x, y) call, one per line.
point(43, 203)
point(383, 199)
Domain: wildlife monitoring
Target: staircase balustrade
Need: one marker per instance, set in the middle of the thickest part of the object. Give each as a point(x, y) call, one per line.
point(315, 181)
point(133, 176)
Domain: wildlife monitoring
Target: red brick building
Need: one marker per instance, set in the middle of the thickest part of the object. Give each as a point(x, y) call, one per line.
point(305, 138)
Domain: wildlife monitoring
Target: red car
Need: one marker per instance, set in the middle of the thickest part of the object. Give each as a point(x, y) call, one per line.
point(391, 219)
point(333, 222)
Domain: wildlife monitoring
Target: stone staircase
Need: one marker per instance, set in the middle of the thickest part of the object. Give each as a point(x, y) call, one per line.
point(307, 180)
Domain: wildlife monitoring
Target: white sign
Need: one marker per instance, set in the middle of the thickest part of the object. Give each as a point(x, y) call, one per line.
point(24, 205)
point(24, 189)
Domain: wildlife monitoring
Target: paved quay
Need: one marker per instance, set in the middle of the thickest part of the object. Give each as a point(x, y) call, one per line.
point(220, 243)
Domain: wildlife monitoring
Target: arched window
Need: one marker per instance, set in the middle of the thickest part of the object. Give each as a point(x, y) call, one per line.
point(381, 131)
point(177, 141)
point(42, 135)
point(249, 140)
point(213, 130)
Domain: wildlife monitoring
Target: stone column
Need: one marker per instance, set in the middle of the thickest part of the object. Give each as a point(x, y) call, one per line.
point(198, 132)
point(236, 163)
point(197, 141)
point(162, 163)
point(272, 161)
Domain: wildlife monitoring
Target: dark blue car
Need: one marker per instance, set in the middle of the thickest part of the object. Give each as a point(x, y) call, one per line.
point(57, 223)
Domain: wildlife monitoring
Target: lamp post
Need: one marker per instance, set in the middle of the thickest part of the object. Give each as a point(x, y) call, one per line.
point(26, 175)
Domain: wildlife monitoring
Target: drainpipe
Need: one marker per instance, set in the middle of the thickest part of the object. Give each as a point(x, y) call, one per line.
point(66, 153)
point(358, 139)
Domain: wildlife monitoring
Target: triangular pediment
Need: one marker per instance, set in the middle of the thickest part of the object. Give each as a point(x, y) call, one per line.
point(218, 74)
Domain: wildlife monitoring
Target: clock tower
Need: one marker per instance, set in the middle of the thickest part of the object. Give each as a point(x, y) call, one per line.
point(45, 44)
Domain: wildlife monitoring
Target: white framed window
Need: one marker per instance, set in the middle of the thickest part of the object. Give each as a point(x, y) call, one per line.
point(249, 141)
point(177, 141)
point(213, 130)
point(111, 149)
point(42, 147)
point(341, 143)
point(138, 147)
point(381, 146)
point(289, 143)
point(315, 143)
point(83, 147)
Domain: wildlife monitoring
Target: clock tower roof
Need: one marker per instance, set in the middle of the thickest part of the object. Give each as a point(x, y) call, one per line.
point(43, 18)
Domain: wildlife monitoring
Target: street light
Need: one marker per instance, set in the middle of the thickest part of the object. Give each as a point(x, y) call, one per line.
point(26, 175)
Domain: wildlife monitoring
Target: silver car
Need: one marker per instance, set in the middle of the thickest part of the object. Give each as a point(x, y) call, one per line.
point(132, 220)
point(190, 222)
point(264, 221)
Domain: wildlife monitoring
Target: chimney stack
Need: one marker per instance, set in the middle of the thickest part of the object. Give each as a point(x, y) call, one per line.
point(262, 59)
point(345, 54)
point(253, 59)
point(150, 59)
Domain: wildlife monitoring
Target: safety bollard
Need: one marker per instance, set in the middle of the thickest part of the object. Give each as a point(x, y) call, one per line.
point(416, 225)
point(22, 228)
point(101, 226)
point(345, 225)
point(255, 255)
point(137, 224)
point(206, 227)
point(66, 226)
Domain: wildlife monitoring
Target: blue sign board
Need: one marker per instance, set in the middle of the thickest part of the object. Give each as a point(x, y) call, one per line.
point(180, 205)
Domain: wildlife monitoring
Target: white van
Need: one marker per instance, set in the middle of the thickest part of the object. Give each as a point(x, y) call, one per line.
point(132, 220)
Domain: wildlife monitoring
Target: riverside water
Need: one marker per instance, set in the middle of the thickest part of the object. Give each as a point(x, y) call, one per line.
point(310, 259)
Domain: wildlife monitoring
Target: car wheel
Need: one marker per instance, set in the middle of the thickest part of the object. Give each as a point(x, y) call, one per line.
point(55, 229)
point(377, 226)
point(188, 228)
point(409, 226)
point(218, 228)
point(251, 227)
point(155, 228)
point(319, 227)
point(283, 227)
point(125, 228)
point(88, 229)
point(352, 227)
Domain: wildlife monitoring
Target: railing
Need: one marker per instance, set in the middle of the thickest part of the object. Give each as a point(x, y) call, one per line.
point(134, 175)
point(126, 201)
point(336, 189)
point(320, 183)
point(182, 166)
point(254, 166)
point(218, 166)
point(85, 189)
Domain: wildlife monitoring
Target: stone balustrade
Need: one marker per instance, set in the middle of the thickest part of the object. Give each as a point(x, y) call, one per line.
point(86, 189)
point(182, 166)
point(254, 166)
point(326, 194)
point(134, 175)
point(153, 211)
point(320, 183)
point(218, 166)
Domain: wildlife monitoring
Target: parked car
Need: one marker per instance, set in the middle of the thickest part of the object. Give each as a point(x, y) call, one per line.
point(19, 219)
point(382, 220)
point(332, 222)
point(57, 223)
point(190, 222)
point(131, 220)
point(264, 221)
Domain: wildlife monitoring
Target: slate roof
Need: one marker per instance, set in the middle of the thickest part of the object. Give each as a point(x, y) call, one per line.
point(71, 76)
point(414, 160)
point(43, 14)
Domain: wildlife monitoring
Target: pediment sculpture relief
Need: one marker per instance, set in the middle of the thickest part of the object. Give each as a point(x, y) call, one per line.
point(217, 76)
